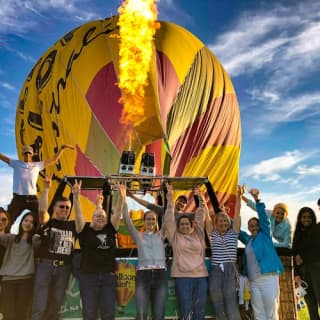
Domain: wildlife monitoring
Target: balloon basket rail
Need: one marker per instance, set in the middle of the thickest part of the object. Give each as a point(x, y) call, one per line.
point(135, 184)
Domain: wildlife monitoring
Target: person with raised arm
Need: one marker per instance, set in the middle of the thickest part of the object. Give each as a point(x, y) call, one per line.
point(54, 259)
point(187, 239)
point(151, 276)
point(280, 225)
point(224, 275)
point(25, 177)
point(97, 279)
point(262, 265)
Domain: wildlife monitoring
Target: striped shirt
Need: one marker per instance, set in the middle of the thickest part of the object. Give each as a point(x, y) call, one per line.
point(223, 247)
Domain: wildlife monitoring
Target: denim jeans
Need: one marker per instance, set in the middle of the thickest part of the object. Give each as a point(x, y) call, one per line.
point(49, 289)
point(191, 295)
point(223, 292)
point(151, 285)
point(98, 295)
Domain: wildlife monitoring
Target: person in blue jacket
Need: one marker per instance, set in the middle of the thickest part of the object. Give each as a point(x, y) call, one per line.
point(262, 265)
point(280, 225)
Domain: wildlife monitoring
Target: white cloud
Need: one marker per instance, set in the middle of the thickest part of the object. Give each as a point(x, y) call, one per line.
point(170, 11)
point(7, 86)
point(269, 38)
point(251, 45)
point(283, 110)
point(6, 186)
point(19, 17)
point(308, 171)
point(280, 45)
point(270, 168)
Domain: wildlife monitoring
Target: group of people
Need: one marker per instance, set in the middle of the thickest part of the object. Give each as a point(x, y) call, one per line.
point(39, 257)
point(35, 262)
point(261, 263)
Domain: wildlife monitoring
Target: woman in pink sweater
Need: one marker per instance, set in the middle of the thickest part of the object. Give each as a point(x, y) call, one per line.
point(187, 239)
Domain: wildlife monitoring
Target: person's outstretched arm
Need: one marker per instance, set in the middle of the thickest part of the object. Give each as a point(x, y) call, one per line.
point(58, 155)
point(131, 228)
point(237, 214)
point(79, 218)
point(44, 216)
point(264, 220)
point(169, 218)
point(4, 158)
point(115, 217)
point(149, 205)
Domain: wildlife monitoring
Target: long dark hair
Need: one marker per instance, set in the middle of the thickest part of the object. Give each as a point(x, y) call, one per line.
point(298, 232)
point(299, 225)
point(31, 232)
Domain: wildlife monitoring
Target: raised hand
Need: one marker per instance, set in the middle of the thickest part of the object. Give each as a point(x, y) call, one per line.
point(76, 187)
point(122, 189)
point(169, 191)
point(198, 192)
point(255, 193)
point(99, 200)
point(47, 180)
point(241, 190)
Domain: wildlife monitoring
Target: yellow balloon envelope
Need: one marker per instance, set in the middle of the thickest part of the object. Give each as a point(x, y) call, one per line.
point(191, 116)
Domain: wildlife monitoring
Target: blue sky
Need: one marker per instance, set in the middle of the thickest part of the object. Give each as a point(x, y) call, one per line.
point(271, 50)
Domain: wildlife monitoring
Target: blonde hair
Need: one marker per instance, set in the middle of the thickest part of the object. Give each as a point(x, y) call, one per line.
point(281, 205)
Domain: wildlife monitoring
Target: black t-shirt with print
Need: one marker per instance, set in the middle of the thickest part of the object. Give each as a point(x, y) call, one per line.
point(98, 249)
point(58, 238)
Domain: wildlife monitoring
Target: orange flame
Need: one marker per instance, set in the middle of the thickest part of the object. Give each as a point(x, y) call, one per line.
point(137, 22)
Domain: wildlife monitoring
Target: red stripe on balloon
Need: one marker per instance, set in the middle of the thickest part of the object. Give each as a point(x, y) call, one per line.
point(219, 126)
point(84, 167)
point(156, 148)
point(102, 96)
point(168, 85)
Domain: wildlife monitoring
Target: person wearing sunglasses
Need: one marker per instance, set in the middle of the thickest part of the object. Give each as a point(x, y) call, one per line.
point(25, 176)
point(54, 259)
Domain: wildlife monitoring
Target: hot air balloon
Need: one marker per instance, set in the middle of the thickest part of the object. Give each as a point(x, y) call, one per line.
point(191, 118)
